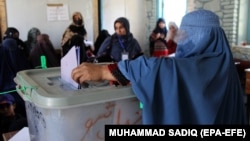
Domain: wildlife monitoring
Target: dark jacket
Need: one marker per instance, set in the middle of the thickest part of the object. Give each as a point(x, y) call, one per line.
point(115, 45)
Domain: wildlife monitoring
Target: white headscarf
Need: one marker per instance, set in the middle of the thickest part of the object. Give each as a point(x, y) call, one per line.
point(171, 35)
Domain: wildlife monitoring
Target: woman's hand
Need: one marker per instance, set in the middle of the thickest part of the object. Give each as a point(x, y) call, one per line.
point(87, 72)
point(91, 72)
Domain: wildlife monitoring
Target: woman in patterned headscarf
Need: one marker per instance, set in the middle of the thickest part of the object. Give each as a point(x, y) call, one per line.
point(75, 28)
point(200, 85)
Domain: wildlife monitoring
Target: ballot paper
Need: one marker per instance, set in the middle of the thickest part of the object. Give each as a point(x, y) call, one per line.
point(70, 61)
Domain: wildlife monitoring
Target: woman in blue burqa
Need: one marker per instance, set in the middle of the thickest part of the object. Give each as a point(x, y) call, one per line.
point(200, 85)
point(12, 60)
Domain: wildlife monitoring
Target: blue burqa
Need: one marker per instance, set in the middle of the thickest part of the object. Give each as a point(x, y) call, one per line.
point(200, 85)
point(12, 60)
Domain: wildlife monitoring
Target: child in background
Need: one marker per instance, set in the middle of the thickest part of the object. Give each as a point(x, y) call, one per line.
point(9, 119)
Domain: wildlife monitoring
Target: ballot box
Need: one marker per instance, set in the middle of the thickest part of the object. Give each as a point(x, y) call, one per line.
point(58, 112)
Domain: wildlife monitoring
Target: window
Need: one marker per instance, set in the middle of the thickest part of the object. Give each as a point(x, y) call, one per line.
point(248, 25)
point(244, 22)
point(172, 10)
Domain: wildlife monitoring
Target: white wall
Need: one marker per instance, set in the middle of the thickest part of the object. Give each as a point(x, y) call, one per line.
point(134, 10)
point(25, 14)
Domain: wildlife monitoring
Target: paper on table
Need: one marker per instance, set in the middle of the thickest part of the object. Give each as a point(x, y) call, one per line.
point(171, 55)
point(88, 43)
point(68, 63)
point(22, 135)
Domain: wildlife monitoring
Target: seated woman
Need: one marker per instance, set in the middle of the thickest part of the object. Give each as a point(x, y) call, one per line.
point(12, 60)
point(32, 38)
point(121, 45)
point(43, 47)
point(13, 33)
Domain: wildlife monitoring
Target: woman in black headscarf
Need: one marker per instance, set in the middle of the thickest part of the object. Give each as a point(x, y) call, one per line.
point(158, 34)
point(121, 45)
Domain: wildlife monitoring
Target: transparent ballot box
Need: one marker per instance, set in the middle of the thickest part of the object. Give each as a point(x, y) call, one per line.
point(58, 112)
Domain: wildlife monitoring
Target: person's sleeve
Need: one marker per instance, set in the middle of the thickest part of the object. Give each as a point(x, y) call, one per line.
point(131, 71)
point(113, 68)
point(135, 70)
